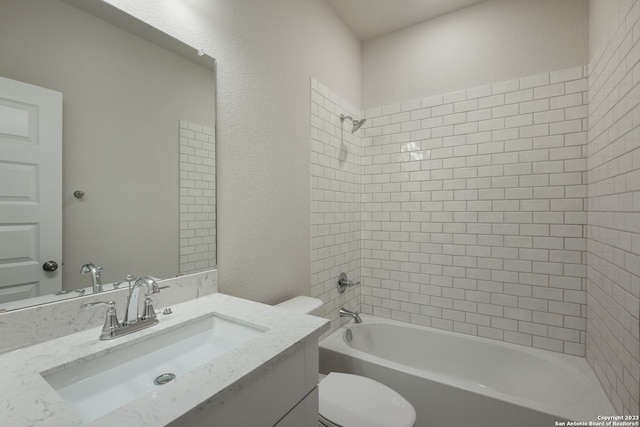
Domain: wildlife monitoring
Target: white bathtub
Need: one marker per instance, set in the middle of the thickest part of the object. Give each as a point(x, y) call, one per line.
point(460, 380)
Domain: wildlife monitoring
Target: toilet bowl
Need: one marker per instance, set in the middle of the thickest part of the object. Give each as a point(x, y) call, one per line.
point(348, 400)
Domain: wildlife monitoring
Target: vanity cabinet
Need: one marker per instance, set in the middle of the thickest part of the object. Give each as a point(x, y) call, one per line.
point(304, 414)
point(269, 380)
point(284, 394)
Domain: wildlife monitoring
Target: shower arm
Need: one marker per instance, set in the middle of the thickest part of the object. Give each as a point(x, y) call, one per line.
point(356, 123)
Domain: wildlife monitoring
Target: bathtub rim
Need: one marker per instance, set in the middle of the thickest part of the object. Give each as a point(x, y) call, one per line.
point(598, 402)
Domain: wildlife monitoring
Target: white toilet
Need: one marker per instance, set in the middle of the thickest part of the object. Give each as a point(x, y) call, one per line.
point(348, 400)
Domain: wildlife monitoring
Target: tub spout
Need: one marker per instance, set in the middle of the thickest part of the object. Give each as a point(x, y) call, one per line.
point(348, 313)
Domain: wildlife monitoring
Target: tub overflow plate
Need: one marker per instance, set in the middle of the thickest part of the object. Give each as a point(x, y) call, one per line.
point(348, 335)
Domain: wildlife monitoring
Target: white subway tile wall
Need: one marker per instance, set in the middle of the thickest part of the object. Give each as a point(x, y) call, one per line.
point(509, 211)
point(613, 231)
point(197, 198)
point(336, 188)
point(473, 211)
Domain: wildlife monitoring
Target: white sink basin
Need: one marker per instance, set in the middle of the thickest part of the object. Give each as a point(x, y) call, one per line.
point(98, 386)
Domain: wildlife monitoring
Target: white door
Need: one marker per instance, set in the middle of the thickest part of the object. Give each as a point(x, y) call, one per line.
point(30, 190)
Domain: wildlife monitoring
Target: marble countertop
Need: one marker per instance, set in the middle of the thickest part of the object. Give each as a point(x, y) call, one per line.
point(28, 400)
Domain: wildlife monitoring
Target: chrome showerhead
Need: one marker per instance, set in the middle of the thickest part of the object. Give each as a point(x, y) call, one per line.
point(356, 123)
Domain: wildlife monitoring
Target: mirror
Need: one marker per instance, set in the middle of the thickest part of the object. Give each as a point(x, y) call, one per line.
point(138, 138)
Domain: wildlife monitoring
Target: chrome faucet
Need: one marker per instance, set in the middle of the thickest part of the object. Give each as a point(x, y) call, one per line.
point(132, 314)
point(132, 321)
point(348, 313)
point(95, 276)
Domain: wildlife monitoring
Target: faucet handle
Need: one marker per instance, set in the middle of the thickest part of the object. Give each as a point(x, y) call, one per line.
point(109, 304)
point(343, 283)
point(149, 312)
point(111, 322)
point(128, 279)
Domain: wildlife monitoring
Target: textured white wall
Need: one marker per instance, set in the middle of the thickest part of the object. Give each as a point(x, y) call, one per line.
point(602, 14)
point(266, 53)
point(492, 41)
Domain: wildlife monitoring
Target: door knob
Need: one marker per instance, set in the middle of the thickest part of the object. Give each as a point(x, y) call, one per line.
point(50, 266)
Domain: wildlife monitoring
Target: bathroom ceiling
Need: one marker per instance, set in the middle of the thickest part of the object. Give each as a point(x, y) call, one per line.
point(373, 18)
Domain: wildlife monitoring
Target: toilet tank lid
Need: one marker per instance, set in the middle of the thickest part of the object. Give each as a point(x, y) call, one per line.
point(301, 304)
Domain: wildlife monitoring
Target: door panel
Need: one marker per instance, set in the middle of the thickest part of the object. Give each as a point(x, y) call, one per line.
point(30, 189)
